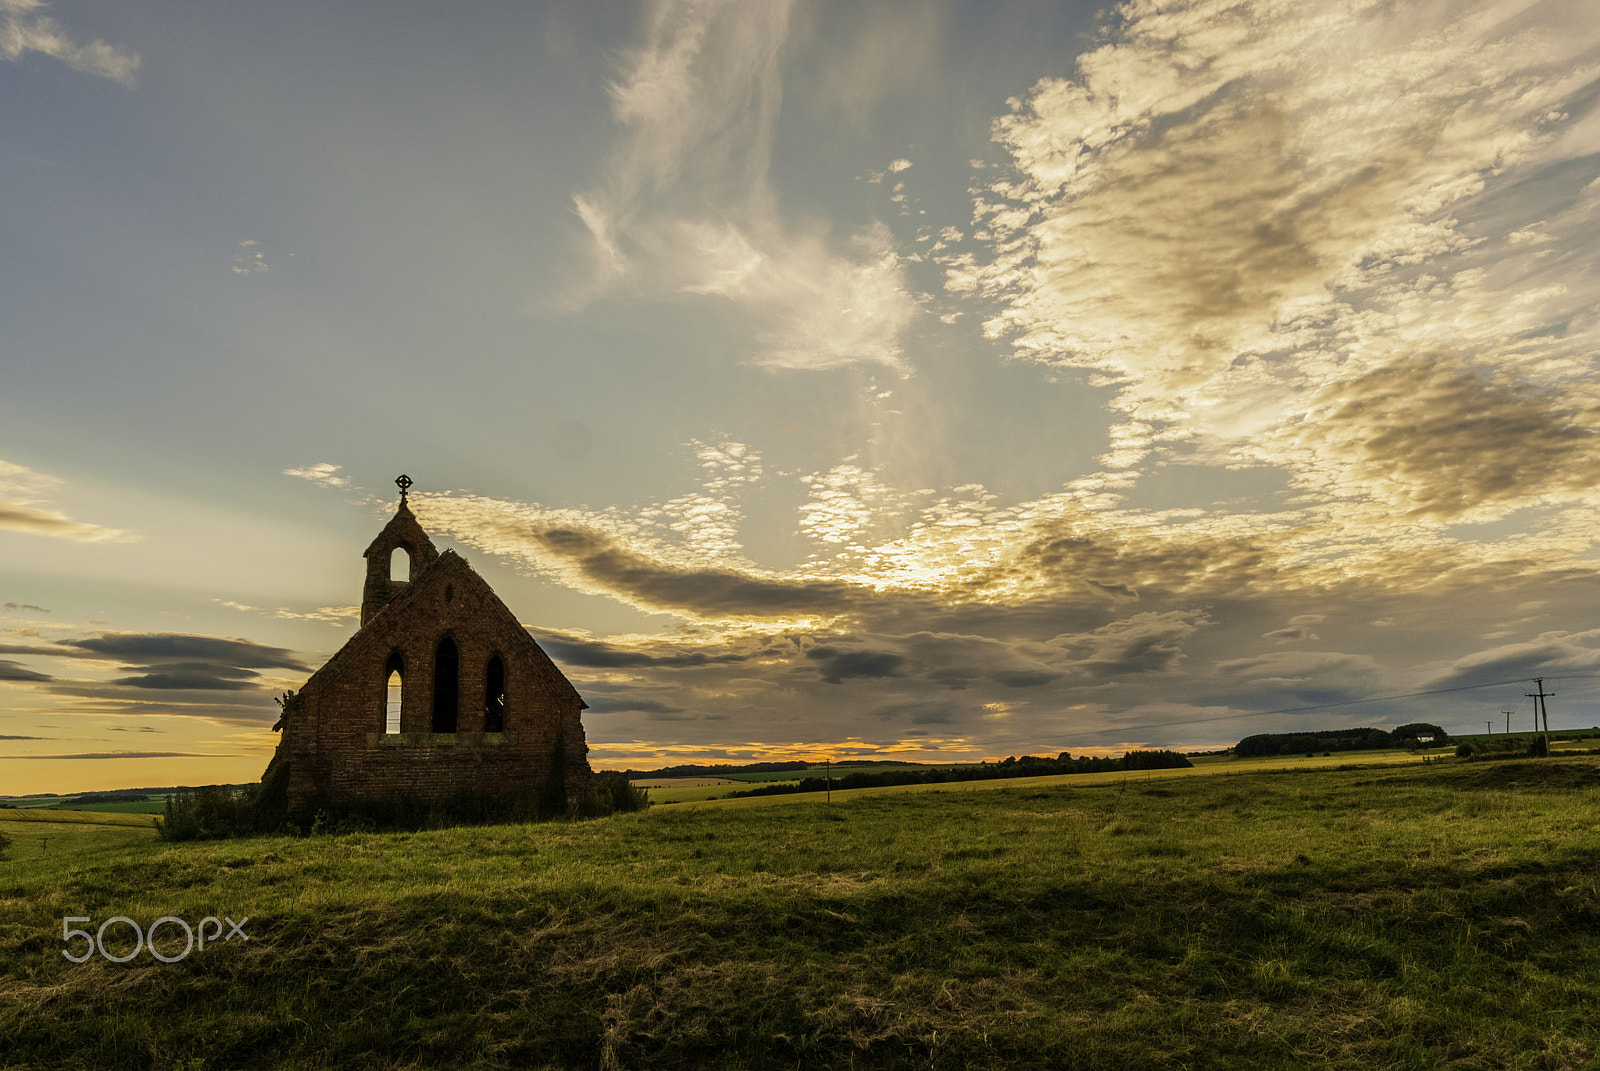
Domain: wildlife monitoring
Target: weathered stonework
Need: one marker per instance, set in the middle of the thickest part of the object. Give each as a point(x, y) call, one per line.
point(483, 710)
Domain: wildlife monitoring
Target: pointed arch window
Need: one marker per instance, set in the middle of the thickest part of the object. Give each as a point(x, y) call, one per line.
point(494, 696)
point(400, 564)
point(394, 682)
point(446, 685)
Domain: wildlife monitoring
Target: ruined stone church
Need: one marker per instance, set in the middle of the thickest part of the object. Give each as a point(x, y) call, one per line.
point(440, 697)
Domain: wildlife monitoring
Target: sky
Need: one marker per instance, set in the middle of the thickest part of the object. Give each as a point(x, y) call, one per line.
point(909, 380)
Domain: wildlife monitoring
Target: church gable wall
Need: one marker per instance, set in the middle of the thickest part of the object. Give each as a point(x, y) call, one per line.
point(341, 753)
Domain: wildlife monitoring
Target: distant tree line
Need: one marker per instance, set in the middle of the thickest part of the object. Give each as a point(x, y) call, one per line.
point(103, 797)
point(1025, 766)
point(1367, 739)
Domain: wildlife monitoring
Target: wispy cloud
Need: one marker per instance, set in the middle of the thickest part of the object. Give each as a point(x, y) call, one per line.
point(250, 258)
point(24, 28)
point(337, 616)
point(21, 492)
point(686, 206)
point(322, 473)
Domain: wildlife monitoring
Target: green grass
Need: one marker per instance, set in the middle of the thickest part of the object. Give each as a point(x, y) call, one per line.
point(1441, 915)
point(35, 834)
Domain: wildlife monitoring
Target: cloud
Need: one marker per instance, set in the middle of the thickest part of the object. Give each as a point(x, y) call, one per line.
point(1289, 634)
point(686, 205)
point(215, 678)
point(170, 648)
point(1255, 217)
point(919, 713)
point(1550, 654)
point(21, 518)
point(328, 615)
point(603, 654)
point(21, 489)
point(836, 666)
point(1436, 437)
point(185, 676)
point(20, 492)
point(1145, 643)
point(251, 259)
point(323, 474)
point(24, 28)
point(10, 606)
point(707, 521)
point(578, 549)
point(1298, 678)
point(13, 671)
point(617, 705)
point(846, 503)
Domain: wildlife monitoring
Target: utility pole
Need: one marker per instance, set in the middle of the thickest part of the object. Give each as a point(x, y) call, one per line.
point(1539, 706)
point(828, 765)
point(1508, 714)
point(1488, 728)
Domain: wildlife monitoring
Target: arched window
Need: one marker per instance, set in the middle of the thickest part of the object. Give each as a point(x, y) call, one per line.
point(446, 682)
point(394, 681)
point(400, 564)
point(494, 697)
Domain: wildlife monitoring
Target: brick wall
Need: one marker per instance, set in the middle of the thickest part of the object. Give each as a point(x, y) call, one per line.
point(338, 749)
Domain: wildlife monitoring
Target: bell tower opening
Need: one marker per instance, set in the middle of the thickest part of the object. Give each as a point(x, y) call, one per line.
point(400, 561)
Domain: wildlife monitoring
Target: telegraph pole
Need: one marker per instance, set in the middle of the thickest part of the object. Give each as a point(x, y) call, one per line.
point(1539, 706)
point(1508, 714)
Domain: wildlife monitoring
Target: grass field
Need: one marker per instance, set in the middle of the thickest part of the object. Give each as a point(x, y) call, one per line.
point(719, 794)
point(35, 834)
point(1420, 916)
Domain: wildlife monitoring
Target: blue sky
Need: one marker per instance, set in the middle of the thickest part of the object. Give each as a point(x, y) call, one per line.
point(920, 380)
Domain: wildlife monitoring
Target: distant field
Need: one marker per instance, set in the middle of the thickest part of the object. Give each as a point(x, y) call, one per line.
point(151, 805)
point(713, 795)
point(35, 834)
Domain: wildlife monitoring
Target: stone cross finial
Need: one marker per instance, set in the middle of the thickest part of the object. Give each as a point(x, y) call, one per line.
point(404, 483)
